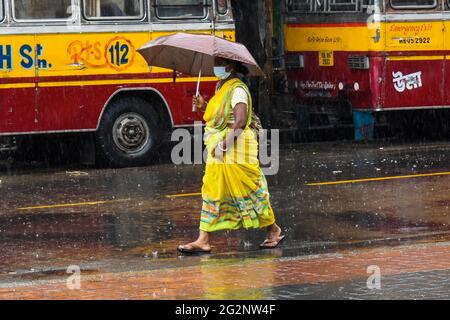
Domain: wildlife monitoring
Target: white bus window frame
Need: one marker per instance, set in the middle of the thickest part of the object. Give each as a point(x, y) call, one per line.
point(2, 11)
point(312, 6)
point(226, 7)
point(297, 10)
point(413, 6)
point(115, 18)
point(68, 19)
point(206, 4)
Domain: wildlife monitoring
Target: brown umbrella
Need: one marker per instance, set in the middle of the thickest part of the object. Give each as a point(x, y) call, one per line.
point(194, 53)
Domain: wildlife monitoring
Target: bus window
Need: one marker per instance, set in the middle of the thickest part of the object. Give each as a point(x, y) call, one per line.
point(42, 9)
point(409, 4)
point(222, 7)
point(329, 6)
point(181, 9)
point(343, 5)
point(299, 5)
point(106, 9)
point(1, 10)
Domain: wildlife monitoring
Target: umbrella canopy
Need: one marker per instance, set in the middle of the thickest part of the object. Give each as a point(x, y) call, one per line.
point(194, 53)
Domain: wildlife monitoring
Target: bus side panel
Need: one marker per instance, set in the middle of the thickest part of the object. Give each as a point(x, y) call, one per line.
point(411, 75)
point(446, 92)
point(85, 110)
point(84, 70)
point(17, 108)
point(411, 83)
point(69, 64)
point(17, 85)
point(415, 63)
point(340, 80)
point(377, 79)
point(70, 108)
point(179, 97)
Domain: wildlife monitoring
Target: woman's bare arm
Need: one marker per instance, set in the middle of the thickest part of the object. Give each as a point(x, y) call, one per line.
point(240, 116)
point(240, 121)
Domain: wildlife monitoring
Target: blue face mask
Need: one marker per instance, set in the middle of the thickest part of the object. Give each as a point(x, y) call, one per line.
point(221, 72)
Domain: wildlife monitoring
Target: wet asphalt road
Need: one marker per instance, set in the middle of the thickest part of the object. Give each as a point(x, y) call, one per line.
point(118, 221)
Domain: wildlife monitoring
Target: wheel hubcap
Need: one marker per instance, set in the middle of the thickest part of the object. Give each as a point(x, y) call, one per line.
point(131, 133)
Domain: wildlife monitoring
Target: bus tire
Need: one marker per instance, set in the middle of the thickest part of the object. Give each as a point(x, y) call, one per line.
point(128, 134)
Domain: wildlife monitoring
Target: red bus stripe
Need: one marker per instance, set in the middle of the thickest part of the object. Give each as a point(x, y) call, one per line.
point(328, 25)
point(385, 53)
point(117, 76)
point(17, 80)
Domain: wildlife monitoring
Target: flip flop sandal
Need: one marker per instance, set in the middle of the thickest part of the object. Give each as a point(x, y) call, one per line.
point(193, 251)
point(264, 246)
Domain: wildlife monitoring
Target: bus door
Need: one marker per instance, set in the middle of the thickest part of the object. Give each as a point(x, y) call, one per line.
point(415, 60)
point(17, 77)
point(90, 57)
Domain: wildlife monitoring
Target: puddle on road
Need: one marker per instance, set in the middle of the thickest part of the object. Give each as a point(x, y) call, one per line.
point(50, 240)
point(56, 226)
point(144, 233)
point(49, 274)
point(390, 224)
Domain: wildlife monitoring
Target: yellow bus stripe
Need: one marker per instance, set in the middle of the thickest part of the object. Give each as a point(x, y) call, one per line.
point(119, 81)
point(384, 36)
point(102, 82)
point(379, 179)
point(416, 58)
point(17, 85)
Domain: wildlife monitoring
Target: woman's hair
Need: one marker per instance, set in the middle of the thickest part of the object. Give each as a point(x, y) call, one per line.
point(240, 68)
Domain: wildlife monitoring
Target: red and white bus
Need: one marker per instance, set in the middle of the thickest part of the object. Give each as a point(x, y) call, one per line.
point(366, 56)
point(71, 66)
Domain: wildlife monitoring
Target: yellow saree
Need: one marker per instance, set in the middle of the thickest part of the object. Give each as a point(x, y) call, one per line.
point(234, 191)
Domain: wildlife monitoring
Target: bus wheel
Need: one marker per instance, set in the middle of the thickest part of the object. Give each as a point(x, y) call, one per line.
point(128, 134)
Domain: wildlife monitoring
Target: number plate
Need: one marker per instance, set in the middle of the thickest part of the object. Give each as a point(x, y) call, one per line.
point(326, 58)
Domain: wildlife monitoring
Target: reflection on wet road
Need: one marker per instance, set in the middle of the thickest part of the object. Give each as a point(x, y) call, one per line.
point(131, 220)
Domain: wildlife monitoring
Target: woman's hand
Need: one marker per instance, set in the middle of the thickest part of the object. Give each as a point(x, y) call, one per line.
point(218, 154)
point(219, 150)
point(199, 102)
point(240, 121)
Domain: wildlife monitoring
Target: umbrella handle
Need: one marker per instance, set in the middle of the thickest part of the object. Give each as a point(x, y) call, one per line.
point(198, 82)
point(194, 108)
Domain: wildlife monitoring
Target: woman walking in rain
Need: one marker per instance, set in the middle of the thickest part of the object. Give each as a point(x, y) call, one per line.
point(234, 192)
